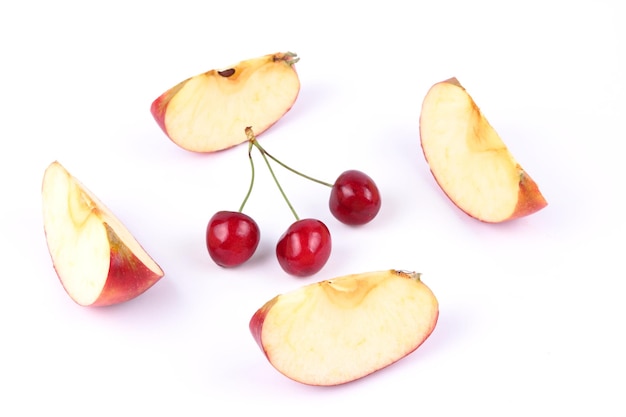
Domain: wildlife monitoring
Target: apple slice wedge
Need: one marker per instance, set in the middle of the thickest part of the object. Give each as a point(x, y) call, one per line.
point(210, 111)
point(96, 258)
point(469, 160)
point(339, 330)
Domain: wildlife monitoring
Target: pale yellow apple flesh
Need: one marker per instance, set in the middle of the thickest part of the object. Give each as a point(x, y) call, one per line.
point(96, 258)
point(343, 329)
point(469, 160)
point(209, 112)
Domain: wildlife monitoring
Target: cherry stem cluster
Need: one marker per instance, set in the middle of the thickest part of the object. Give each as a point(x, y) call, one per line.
point(252, 141)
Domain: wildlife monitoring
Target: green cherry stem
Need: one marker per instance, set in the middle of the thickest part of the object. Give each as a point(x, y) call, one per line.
point(252, 140)
point(245, 200)
point(279, 162)
point(263, 151)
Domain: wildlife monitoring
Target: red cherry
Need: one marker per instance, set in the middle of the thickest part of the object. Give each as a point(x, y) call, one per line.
point(304, 248)
point(354, 198)
point(231, 238)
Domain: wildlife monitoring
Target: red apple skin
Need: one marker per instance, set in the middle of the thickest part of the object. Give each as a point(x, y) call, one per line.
point(256, 323)
point(159, 106)
point(128, 277)
point(530, 198)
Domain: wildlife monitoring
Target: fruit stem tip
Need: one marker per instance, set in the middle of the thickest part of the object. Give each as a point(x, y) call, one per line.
point(288, 57)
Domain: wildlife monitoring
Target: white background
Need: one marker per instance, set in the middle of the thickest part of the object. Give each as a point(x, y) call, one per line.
point(532, 312)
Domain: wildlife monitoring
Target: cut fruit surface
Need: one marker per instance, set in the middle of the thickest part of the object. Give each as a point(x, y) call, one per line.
point(343, 329)
point(96, 258)
point(469, 160)
point(210, 111)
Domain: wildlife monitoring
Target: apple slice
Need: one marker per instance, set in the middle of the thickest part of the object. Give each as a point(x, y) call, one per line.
point(96, 258)
point(339, 330)
point(469, 160)
point(210, 111)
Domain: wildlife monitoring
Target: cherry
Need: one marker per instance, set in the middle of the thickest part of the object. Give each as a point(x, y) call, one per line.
point(231, 238)
point(354, 198)
point(304, 248)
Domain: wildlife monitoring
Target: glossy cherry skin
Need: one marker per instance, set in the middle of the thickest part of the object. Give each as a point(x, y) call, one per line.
point(231, 238)
point(354, 198)
point(304, 248)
